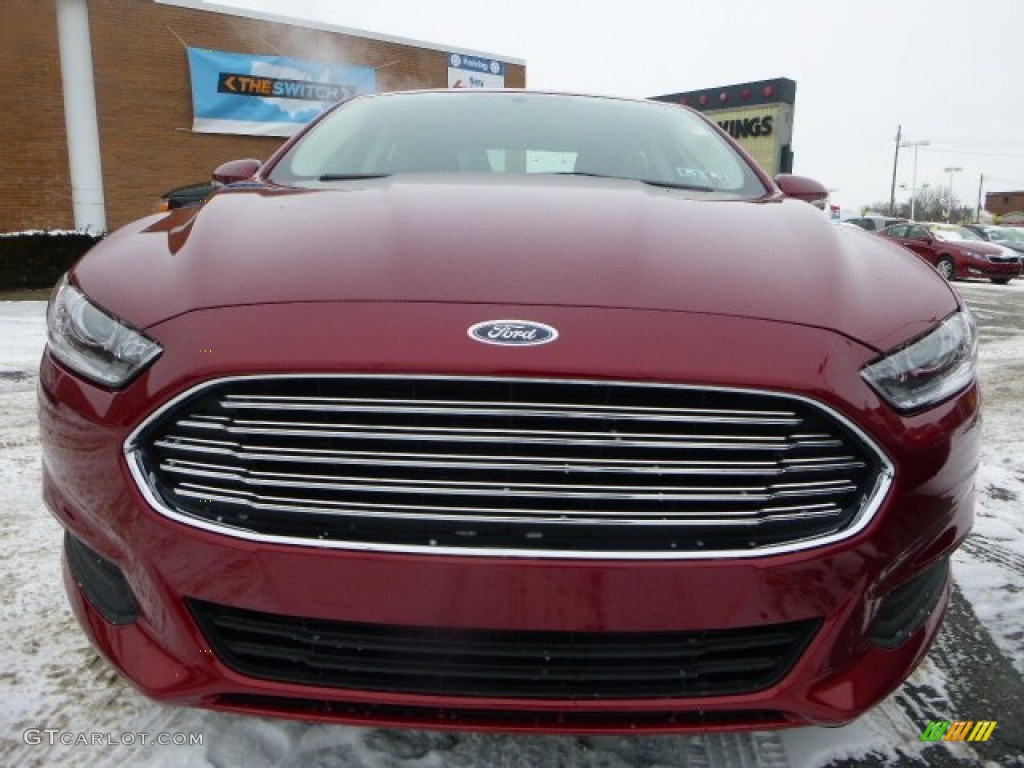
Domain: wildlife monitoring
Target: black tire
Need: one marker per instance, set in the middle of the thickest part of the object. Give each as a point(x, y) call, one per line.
point(947, 268)
point(1000, 280)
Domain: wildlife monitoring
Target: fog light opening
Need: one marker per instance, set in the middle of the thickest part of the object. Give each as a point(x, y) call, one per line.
point(906, 608)
point(102, 582)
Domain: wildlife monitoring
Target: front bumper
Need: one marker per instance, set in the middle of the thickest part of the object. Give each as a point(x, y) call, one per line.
point(842, 587)
point(976, 267)
point(815, 692)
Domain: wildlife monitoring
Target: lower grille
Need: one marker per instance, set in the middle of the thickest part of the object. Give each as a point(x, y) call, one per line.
point(508, 466)
point(501, 664)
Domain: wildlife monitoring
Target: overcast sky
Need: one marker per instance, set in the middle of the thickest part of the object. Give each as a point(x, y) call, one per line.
point(950, 72)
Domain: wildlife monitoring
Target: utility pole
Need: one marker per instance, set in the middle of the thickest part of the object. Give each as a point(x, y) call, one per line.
point(977, 208)
point(895, 162)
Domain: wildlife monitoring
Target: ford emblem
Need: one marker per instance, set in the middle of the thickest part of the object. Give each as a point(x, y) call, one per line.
point(513, 333)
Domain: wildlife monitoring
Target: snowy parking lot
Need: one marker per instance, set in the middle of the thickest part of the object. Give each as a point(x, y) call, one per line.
point(63, 705)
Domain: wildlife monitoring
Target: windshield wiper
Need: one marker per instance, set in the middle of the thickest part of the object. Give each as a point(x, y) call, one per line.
point(650, 182)
point(352, 176)
point(677, 185)
point(582, 173)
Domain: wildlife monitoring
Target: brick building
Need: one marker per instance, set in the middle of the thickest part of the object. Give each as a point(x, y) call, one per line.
point(143, 100)
point(1002, 203)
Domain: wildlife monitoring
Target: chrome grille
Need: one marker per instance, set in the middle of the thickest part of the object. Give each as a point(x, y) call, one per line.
point(508, 465)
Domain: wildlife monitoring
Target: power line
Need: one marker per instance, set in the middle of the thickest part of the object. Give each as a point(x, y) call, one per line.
point(989, 140)
point(971, 152)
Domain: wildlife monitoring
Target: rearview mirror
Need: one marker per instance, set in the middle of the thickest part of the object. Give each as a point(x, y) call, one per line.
point(236, 170)
point(801, 187)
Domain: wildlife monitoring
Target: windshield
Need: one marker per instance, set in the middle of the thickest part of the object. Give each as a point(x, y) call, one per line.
point(955, 234)
point(517, 133)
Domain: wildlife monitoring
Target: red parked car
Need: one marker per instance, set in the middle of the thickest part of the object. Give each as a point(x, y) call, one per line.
point(510, 410)
point(957, 252)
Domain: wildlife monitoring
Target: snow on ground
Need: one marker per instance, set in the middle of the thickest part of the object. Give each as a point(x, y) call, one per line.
point(22, 337)
point(990, 566)
point(50, 678)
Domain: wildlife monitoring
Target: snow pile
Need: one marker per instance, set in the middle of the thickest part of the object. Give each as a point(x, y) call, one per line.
point(40, 232)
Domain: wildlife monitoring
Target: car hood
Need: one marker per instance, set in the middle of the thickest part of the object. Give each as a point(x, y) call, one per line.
point(516, 241)
point(977, 246)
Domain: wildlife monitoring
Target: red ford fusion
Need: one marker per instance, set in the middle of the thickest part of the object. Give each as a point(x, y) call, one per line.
point(510, 411)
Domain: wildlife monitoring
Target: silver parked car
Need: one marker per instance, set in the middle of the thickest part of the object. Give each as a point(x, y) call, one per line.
point(875, 223)
point(1008, 237)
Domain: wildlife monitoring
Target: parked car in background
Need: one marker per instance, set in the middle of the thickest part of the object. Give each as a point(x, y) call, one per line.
point(1008, 237)
point(848, 225)
point(875, 223)
point(957, 252)
point(187, 196)
point(504, 410)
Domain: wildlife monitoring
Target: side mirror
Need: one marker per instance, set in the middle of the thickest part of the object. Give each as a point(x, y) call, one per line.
point(801, 187)
point(236, 170)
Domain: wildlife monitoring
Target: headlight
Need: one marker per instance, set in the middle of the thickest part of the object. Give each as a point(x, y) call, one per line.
point(929, 369)
point(93, 343)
